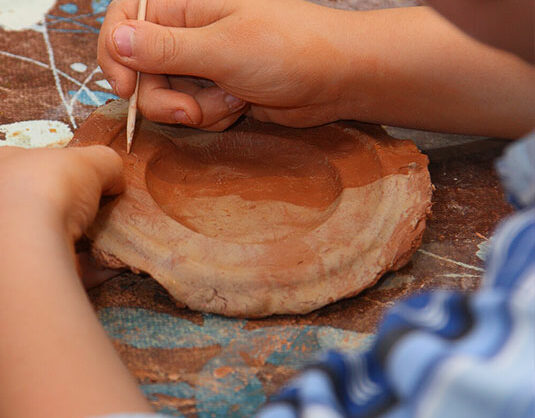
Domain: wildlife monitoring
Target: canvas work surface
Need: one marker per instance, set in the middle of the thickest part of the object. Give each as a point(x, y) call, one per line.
point(194, 364)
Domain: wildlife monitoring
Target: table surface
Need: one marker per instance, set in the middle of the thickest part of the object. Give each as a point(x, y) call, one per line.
point(196, 364)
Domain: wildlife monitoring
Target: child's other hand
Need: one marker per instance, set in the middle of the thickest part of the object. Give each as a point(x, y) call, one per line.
point(47, 198)
point(274, 54)
point(61, 187)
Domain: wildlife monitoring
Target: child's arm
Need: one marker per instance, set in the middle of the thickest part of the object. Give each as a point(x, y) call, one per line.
point(301, 64)
point(55, 358)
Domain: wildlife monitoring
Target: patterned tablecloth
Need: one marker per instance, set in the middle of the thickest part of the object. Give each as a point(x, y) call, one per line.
point(194, 364)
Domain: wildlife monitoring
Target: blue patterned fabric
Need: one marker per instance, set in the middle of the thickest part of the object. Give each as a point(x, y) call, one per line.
point(516, 169)
point(444, 354)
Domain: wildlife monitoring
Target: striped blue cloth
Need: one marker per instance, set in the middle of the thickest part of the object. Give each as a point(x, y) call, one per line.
point(444, 354)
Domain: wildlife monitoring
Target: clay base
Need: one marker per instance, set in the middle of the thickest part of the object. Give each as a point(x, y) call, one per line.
point(260, 219)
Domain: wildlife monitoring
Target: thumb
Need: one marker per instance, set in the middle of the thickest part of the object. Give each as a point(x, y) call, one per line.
point(156, 49)
point(106, 164)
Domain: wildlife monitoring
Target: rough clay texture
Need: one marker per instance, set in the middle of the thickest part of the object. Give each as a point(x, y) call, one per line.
point(260, 219)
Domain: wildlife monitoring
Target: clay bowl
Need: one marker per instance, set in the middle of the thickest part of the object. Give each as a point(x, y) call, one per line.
point(260, 219)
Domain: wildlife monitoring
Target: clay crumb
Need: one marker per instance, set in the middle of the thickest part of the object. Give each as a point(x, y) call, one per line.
point(222, 371)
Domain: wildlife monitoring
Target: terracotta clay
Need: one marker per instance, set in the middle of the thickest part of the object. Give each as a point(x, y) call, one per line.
point(260, 219)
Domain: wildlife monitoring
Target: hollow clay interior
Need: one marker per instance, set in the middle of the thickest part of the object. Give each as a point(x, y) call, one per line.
point(260, 219)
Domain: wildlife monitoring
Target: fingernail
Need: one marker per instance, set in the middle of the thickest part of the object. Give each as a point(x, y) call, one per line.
point(123, 37)
point(232, 102)
point(182, 117)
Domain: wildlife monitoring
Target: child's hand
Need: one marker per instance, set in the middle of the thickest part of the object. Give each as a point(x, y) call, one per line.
point(58, 187)
point(300, 64)
point(274, 54)
point(47, 198)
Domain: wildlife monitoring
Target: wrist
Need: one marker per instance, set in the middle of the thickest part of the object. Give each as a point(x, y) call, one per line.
point(26, 212)
point(350, 63)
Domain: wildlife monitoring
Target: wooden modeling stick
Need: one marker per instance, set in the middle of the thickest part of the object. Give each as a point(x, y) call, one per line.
point(132, 105)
